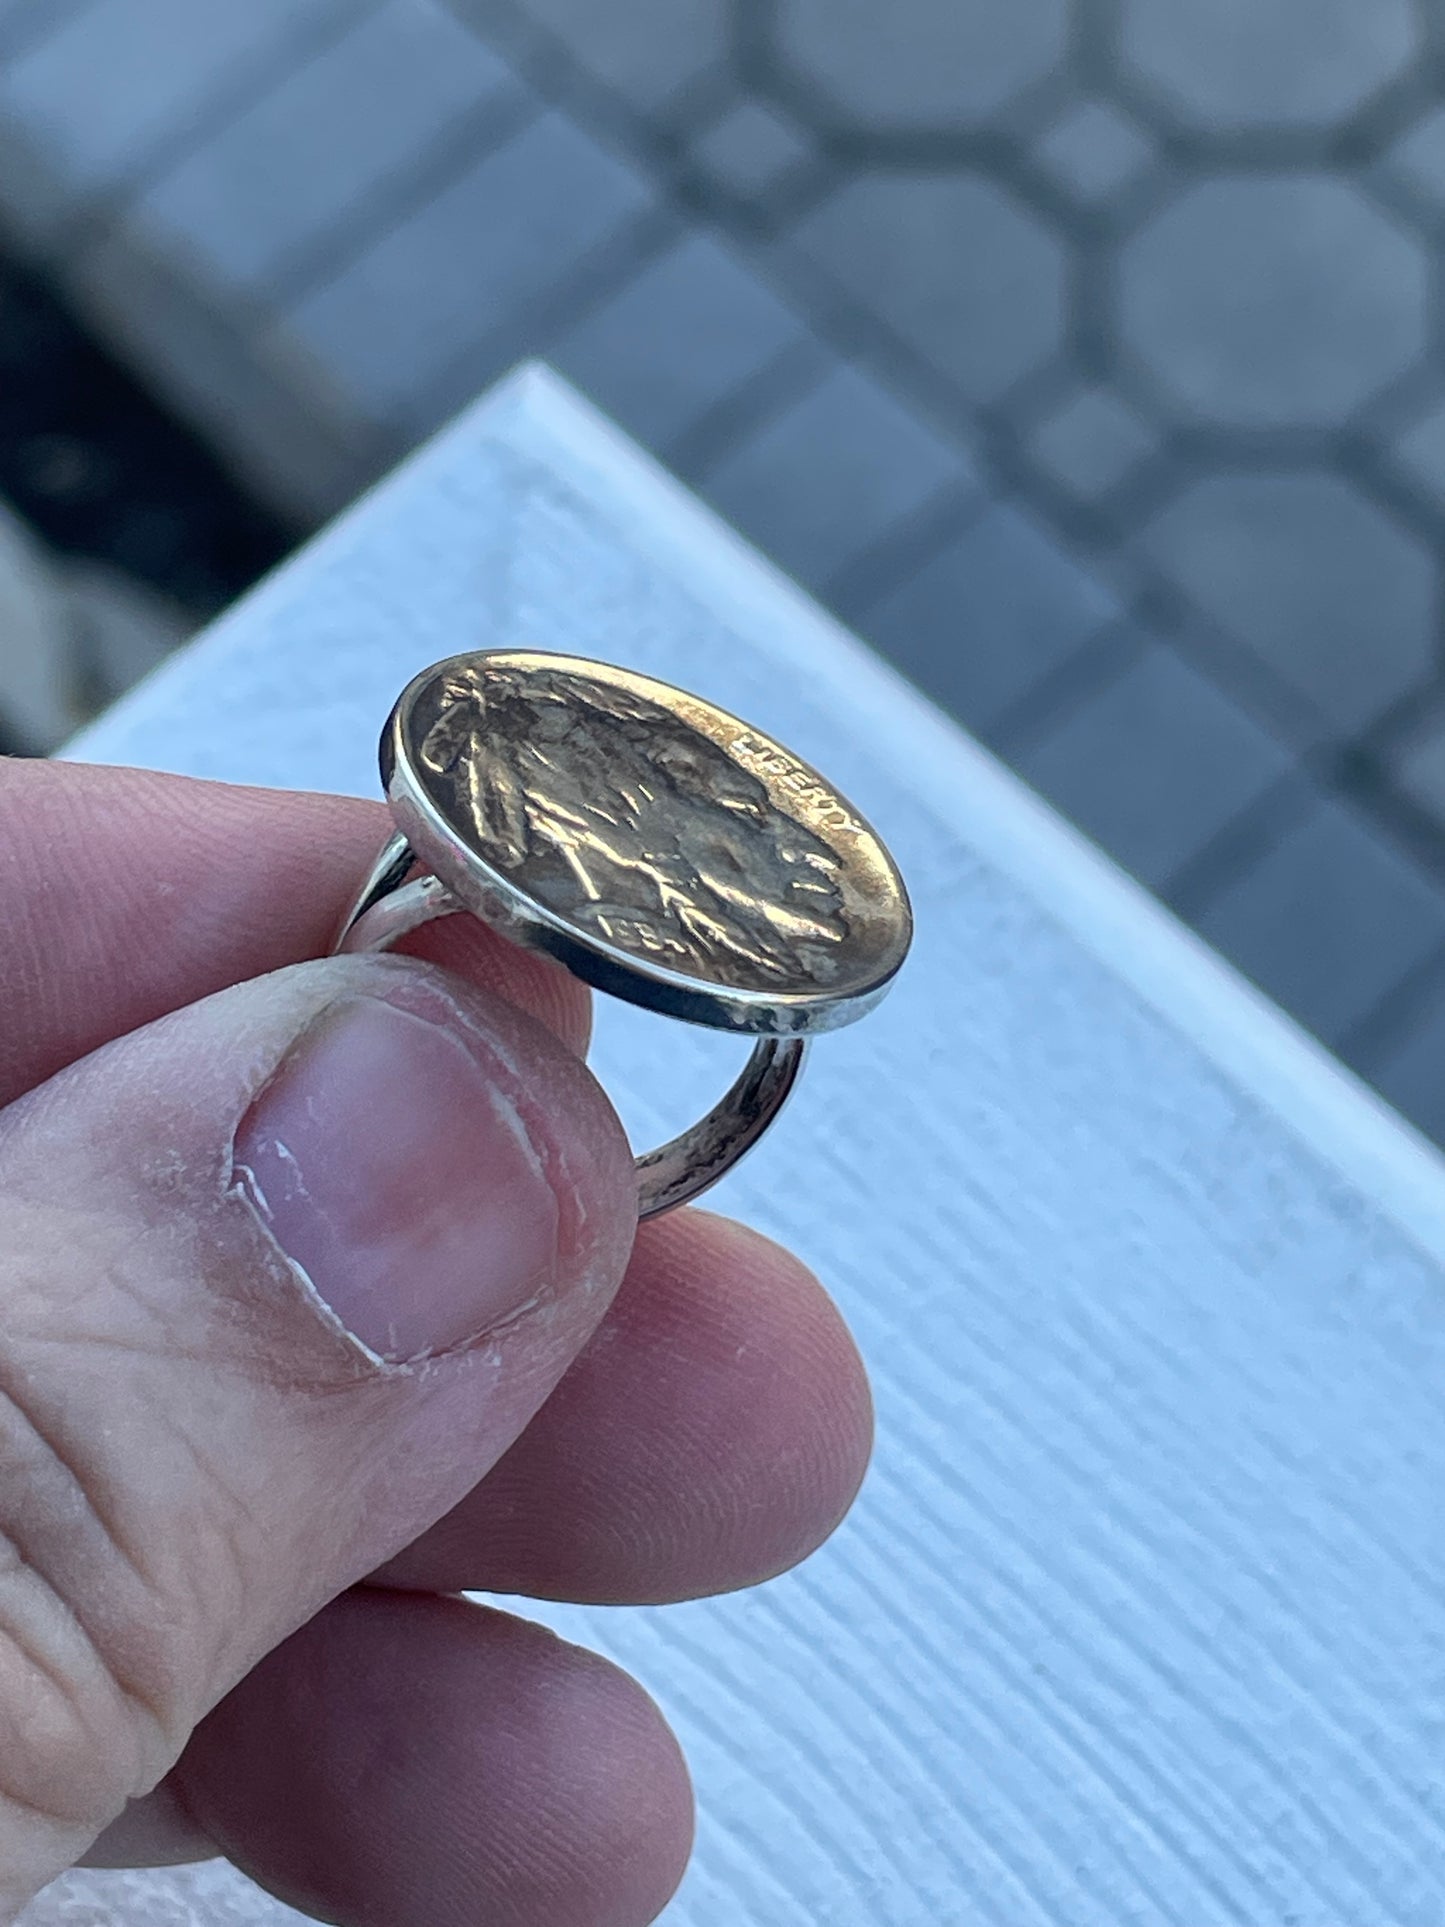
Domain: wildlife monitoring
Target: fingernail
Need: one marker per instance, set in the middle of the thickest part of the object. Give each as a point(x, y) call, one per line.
point(392, 1165)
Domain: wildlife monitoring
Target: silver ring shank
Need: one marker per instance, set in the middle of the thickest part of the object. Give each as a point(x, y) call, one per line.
point(388, 908)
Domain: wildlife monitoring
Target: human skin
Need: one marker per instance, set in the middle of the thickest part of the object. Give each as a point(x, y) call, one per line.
point(234, 1518)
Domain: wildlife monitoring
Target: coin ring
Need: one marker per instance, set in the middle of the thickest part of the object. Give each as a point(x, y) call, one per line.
point(662, 850)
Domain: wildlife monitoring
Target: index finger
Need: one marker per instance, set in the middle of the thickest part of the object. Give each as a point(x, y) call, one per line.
point(127, 894)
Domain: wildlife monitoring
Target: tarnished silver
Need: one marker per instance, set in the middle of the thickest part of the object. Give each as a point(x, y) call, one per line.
point(660, 849)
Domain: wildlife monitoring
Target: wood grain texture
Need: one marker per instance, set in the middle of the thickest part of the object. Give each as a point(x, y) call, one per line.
point(1142, 1616)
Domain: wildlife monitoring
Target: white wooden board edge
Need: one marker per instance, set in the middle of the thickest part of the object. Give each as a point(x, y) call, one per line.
point(1240, 1029)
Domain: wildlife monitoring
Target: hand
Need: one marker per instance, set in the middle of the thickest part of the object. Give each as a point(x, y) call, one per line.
point(293, 1266)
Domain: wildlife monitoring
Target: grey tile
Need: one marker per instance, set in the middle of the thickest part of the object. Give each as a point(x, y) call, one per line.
point(1268, 301)
point(118, 79)
point(752, 150)
point(1093, 442)
point(1329, 920)
point(1418, 158)
point(1420, 452)
point(509, 32)
point(831, 474)
point(644, 51)
point(1326, 588)
point(1411, 1073)
point(1267, 63)
point(300, 165)
point(1094, 151)
point(683, 334)
point(986, 617)
point(1419, 769)
point(1154, 764)
point(959, 268)
point(478, 257)
point(922, 63)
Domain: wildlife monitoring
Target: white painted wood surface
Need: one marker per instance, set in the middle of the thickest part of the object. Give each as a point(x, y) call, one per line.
point(1142, 1616)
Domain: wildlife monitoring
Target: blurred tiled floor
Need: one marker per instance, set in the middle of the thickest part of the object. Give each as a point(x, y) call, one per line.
point(1085, 354)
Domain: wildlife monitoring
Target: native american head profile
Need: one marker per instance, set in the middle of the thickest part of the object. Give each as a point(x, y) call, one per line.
point(614, 812)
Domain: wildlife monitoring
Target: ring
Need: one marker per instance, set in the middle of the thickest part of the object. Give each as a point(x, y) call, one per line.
point(658, 848)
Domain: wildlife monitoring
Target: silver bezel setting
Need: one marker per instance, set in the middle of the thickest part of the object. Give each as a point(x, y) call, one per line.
point(498, 901)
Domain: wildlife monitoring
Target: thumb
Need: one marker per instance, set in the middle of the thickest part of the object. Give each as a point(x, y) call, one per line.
point(283, 1274)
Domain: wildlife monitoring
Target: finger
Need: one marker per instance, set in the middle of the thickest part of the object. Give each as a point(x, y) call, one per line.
point(128, 894)
point(284, 1274)
point(406, 1759)
point(714, 1432)
point(251, 878)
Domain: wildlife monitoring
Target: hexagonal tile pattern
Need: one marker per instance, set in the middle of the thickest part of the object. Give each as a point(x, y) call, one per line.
point(644, 51)
point(476, 257)
point(752, 150)
point(1273, 301)
point(1232, 64)
point(1093, 442)
point(963, 272)
point(1331, 592)
point(1417, 159)
point(1094, 151)
point(115, 81)
point(1411, 1073)
point(920, 63)
point(1101, 224)
point(687, 330)
point(1329, 920)
point(1420, 769)
point(299, 164)
point(984, 619)
point(1154, 764)
point(837, 470)
point(1420, 452)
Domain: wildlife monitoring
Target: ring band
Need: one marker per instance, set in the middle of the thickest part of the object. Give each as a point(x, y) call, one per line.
point(388, 908)
point(659, 848)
